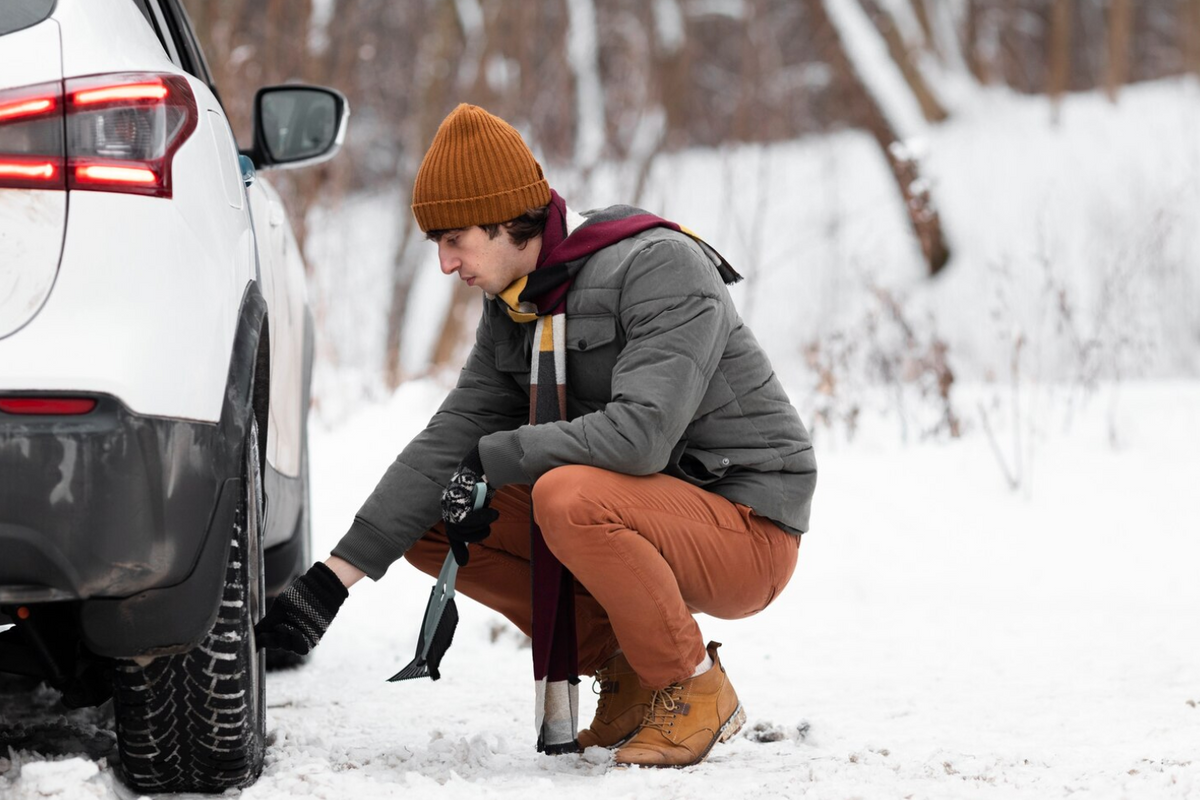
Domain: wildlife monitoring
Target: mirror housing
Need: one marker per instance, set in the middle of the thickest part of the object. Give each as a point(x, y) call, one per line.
point(296, 125)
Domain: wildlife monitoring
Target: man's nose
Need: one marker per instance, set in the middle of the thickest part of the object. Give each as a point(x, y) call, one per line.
point(449, 262)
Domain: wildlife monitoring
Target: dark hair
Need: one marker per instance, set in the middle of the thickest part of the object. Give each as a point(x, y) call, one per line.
point(521, 229)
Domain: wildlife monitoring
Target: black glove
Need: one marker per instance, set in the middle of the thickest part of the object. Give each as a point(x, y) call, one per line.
point(465, 524)
point(298, 617)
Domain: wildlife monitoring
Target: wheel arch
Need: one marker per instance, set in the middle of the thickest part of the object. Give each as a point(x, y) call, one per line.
point(174, 619)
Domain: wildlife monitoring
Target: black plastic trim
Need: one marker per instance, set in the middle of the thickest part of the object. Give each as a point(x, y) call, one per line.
point(283, 563)
point(285, 498)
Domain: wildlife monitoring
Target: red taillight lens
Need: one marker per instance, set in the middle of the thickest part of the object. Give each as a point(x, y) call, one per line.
point(32, 154)
point(53, 406)
point(98, 173)
point(16, 109)
point(122, 132)
point(110, 94)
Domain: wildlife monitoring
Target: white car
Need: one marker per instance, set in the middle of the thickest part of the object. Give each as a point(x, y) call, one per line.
point(155, 356)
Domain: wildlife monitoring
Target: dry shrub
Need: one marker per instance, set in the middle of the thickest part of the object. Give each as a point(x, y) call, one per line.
point(886, 352)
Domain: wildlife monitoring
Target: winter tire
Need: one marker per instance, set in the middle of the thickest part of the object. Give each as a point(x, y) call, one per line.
point(195, 722)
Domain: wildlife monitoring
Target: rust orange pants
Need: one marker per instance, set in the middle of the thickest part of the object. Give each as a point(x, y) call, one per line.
point(647, 552)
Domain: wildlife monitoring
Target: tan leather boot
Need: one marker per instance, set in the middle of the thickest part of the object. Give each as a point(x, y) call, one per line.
point(686, 719)
point(622, 705)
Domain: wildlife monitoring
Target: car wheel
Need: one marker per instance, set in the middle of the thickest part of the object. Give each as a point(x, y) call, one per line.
point(196, 721)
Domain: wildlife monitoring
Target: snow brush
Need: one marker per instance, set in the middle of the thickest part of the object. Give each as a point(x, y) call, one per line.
point(441, 615)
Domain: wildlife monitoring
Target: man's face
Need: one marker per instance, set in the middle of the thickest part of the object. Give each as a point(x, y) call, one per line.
point(490, 264)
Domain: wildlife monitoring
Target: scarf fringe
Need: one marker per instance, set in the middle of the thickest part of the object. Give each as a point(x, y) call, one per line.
point(557, 716)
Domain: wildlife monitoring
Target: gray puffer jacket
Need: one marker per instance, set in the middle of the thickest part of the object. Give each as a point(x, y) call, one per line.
point(662, 376)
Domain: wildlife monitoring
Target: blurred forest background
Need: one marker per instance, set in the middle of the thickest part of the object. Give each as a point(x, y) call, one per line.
point(593, 83)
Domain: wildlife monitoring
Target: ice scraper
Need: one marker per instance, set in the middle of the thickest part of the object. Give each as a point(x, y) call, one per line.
point(441, 615)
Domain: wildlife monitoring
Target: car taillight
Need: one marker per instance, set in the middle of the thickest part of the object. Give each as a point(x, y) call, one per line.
point(32, 155)
point(52, 406)
point(121, 133)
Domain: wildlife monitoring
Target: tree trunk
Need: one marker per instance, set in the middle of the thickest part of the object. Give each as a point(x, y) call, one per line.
point(1059, 76)
point(433, 92)
point(583, 59)
point(454, 323)
point(931, 108)
point(1120, 29)
point(922, 15)
point(1189, 33)
point(975, 60)
point(905, 170)
point(403, 274)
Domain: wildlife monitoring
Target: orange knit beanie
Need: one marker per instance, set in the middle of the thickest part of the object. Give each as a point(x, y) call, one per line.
point(478, 171)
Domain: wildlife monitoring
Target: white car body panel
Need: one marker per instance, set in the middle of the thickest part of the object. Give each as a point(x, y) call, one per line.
point(177, 266)
point(103, 36)
point(31, 221)
point(31, 55)
point(283, 285)
point(31, 235)
point(184, 278)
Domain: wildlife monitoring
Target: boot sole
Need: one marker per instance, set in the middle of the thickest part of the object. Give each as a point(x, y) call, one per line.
point(732, 725)
point(619, 744)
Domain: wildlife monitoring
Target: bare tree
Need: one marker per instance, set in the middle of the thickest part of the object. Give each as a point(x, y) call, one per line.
point(1059, 78)
point(977, 42)
point(1120, 29)
point(906, 52)
point(440, 39)
point(905, 169)
point(1189, 34)
point(582, 55)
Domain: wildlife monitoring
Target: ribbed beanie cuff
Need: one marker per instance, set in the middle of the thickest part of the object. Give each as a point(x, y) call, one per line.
point(478, 171)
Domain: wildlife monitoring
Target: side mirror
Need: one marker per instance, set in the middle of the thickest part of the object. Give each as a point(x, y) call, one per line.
point(296, 125)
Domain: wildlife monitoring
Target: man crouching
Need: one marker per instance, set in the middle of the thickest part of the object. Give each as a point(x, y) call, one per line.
point(648, 463)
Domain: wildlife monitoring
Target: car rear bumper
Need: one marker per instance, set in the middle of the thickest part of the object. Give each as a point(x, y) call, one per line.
point(104, 504)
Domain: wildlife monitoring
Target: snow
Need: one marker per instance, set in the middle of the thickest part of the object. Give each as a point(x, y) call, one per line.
point(668, 24)
point(942, 637)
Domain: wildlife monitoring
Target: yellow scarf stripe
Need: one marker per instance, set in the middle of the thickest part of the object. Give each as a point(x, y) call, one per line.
point(511, 297)
point(546, 345)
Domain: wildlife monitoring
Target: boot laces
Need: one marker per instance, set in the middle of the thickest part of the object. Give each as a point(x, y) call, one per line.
point(605, 690)
point(603, 686)
point(663, 707)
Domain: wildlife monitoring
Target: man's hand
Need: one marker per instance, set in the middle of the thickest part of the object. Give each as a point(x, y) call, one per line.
point(465, 524)
point(298, 617)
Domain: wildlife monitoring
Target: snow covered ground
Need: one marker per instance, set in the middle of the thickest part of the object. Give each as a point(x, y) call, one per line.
point(943, 637)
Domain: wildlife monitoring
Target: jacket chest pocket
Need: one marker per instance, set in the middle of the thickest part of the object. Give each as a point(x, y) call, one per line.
point(512, 359)
point(592, 350)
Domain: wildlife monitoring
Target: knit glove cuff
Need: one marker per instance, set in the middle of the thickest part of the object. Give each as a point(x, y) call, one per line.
point(301, 615)
point(326, 588)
